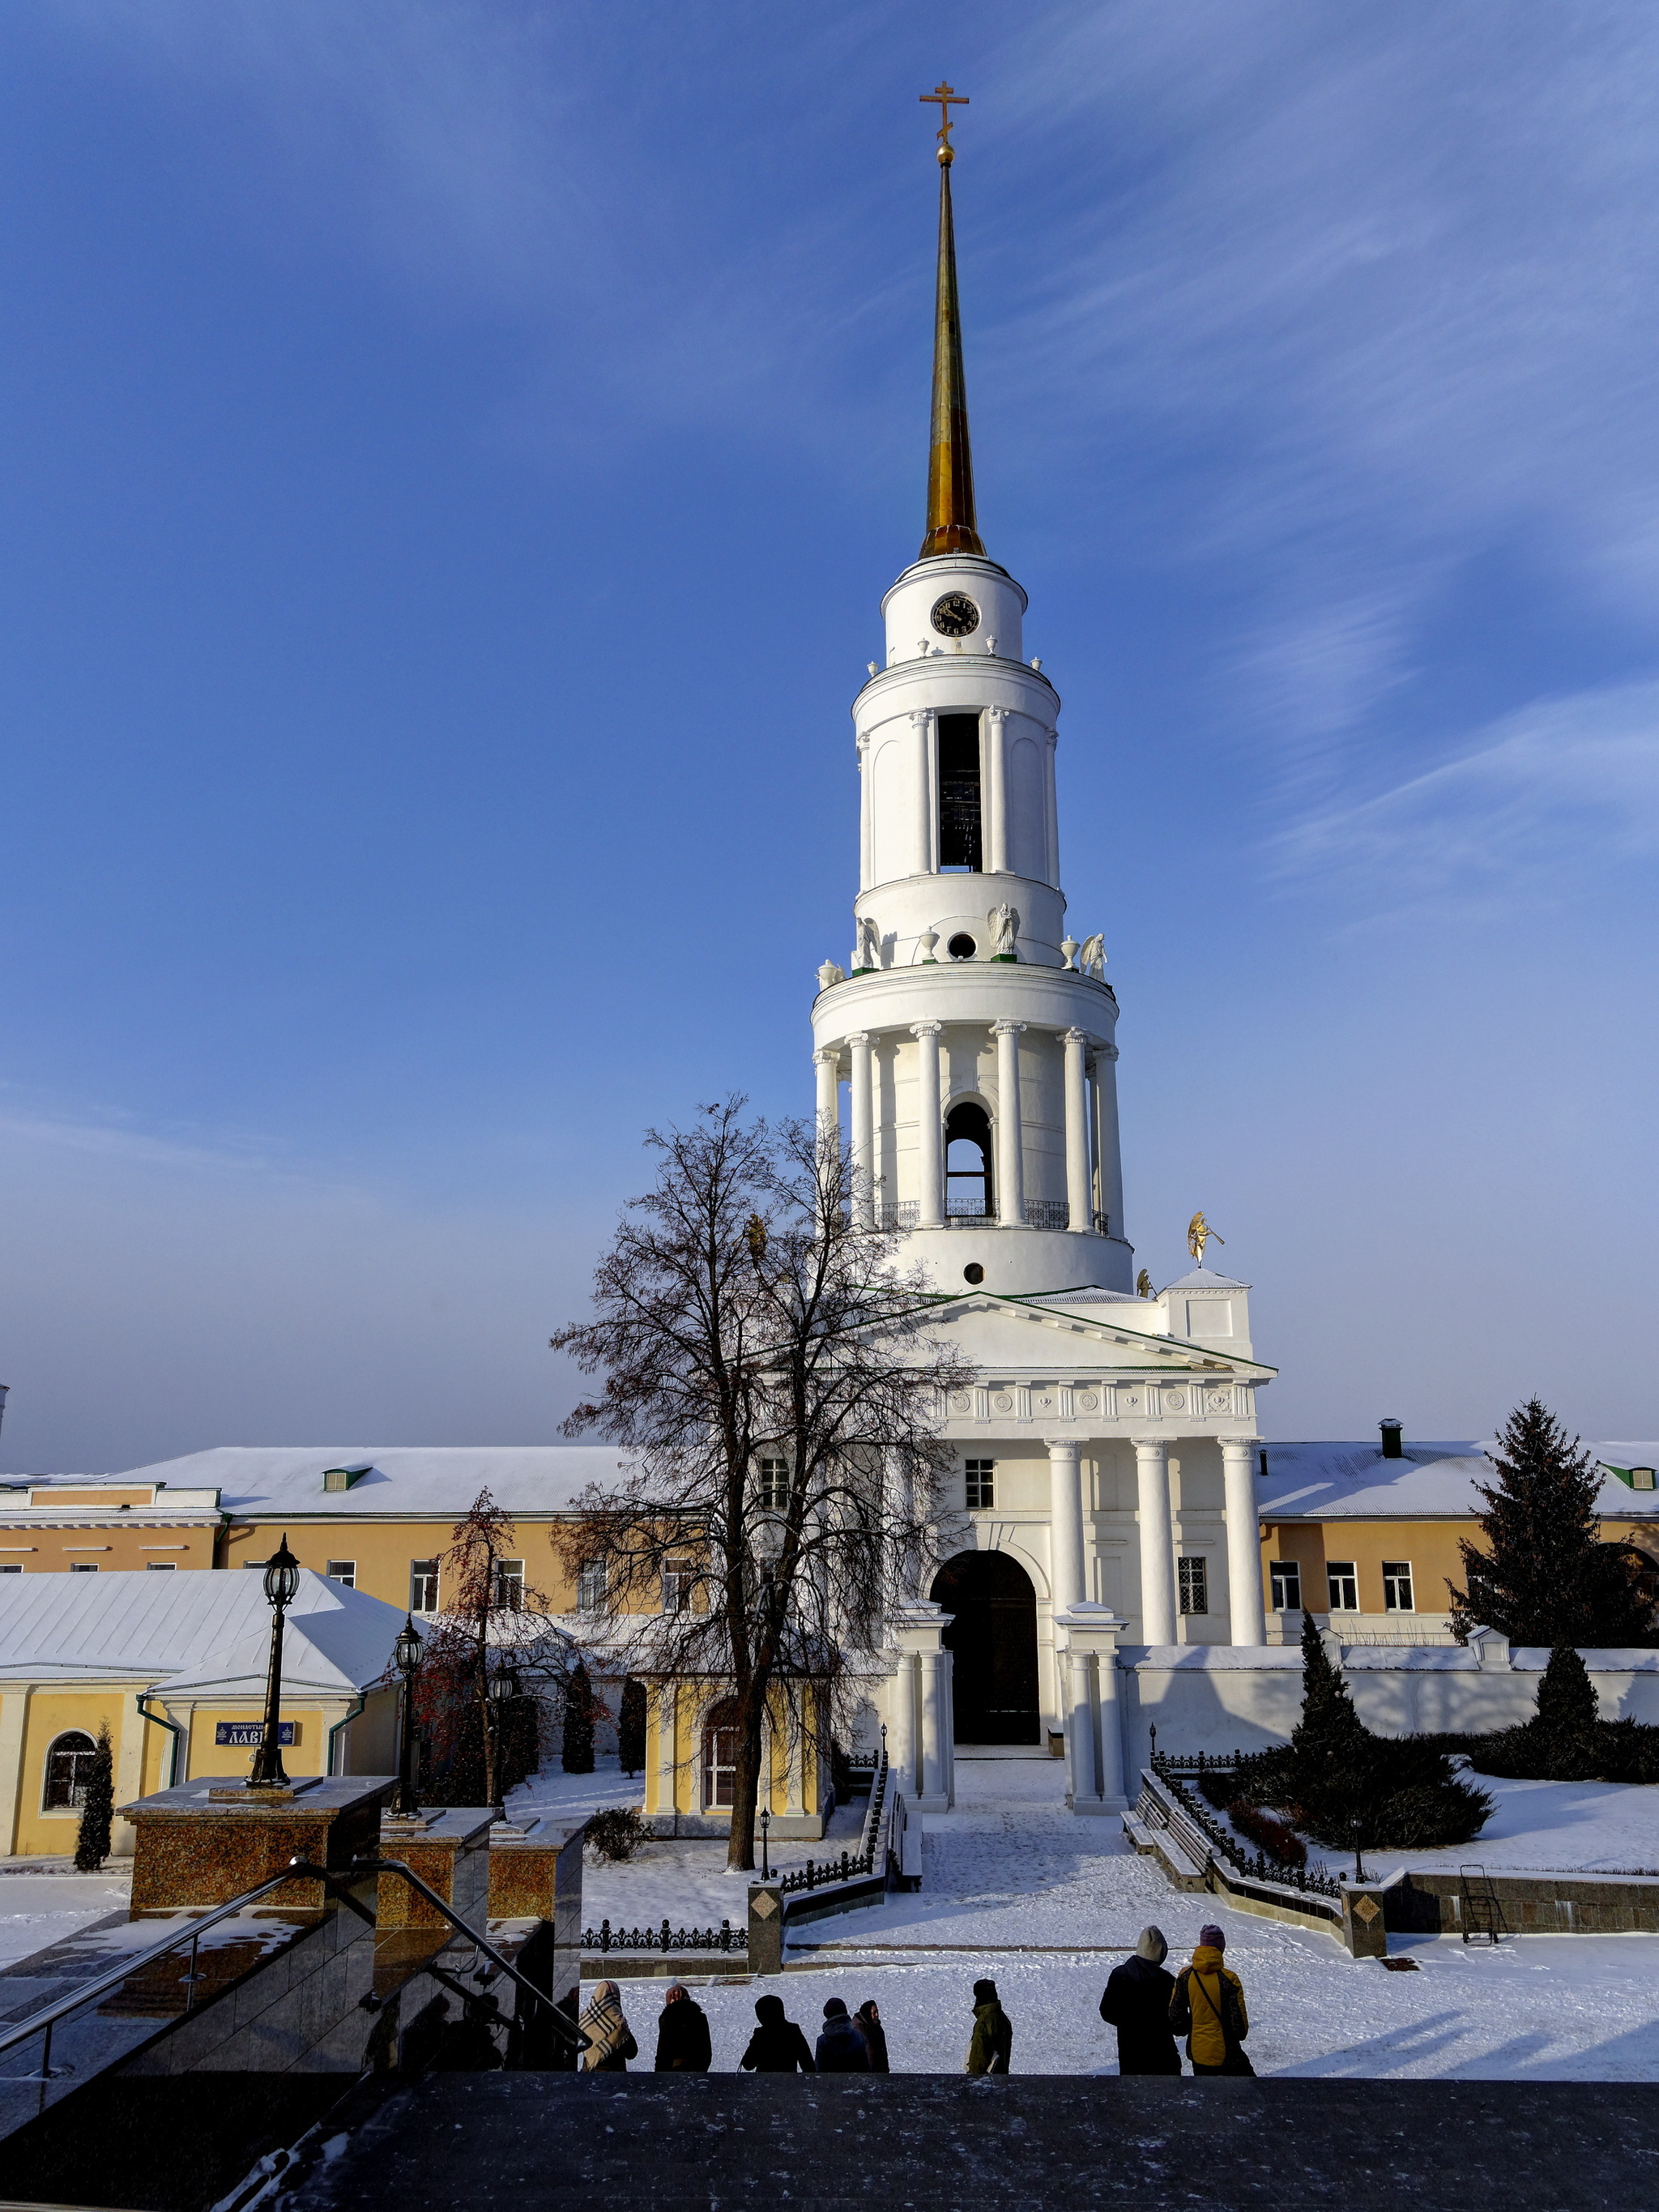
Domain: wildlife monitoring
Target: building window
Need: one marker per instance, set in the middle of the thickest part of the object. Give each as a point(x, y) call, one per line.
point(982, 1484)
point(160, 1566)
point(68, 1768)
point(83, 1566)
point(1397, 1587)
point(958, 792)
point(10, 1567)
point(1342, 1585)
point(509, 1585)
point(968, 1187)
point(423, 1586)
point(774, 1485)
point(1195, 1582)
point(719, 1755)
point(253, 1563)
point(591, 1584)
point(1285, 1576)
point(678, 1576)
point(343, 1571)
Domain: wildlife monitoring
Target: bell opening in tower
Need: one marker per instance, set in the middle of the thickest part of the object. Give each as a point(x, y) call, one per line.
point(958, 792)
point(968, 1193)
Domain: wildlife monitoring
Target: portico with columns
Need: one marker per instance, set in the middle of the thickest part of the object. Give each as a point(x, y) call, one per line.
point(1103, 1493)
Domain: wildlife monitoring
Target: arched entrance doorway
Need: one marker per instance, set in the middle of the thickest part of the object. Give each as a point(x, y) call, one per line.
point(994, 1638)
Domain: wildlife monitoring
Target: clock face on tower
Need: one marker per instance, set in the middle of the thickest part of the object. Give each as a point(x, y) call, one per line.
point(956, 615)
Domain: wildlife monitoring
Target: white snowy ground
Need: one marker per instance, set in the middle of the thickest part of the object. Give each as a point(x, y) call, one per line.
point(678, 1880)
point(1018, 1888)
point(37, 1909)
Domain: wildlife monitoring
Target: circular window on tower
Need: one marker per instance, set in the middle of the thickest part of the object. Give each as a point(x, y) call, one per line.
point(973, 1272)
point(956, 616)
point(962, 947)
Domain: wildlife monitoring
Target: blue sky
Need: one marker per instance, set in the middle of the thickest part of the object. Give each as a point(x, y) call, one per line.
point(451, 457)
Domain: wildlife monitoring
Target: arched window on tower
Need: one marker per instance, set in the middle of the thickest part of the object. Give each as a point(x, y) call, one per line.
point(958, 792)
point(968, 1189)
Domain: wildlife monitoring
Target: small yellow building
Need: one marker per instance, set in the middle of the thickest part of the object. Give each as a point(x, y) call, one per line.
point(176, 1671)
point(690, 1761)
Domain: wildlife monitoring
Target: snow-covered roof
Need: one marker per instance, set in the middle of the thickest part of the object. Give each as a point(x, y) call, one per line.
point(182, 1631)
point(1428, 1482)
point(265, 1481)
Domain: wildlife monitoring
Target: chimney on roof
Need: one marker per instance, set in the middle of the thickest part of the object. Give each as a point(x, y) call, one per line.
point(1393, 1447)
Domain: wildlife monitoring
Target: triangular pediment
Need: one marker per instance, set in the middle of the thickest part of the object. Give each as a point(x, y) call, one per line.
point(1018, 1335)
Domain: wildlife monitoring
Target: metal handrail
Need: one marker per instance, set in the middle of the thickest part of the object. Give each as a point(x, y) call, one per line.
point(566, 2025)
point(51, 2014)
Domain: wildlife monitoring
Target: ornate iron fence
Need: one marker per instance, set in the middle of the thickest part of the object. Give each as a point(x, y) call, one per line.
point(1256, 1866)
point(666, 1938)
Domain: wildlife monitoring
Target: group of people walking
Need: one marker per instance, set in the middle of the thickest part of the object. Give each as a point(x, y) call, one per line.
point(1147, 2005)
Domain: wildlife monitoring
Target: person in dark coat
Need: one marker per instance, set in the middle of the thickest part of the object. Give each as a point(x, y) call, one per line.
point(682, 2034)
point(993, 2042)
point(1137, 2004)
point(875, 2036)
point(777, 2046)
point(842, 2047)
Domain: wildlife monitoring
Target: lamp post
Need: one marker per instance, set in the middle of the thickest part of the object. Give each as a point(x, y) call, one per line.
point(766, 1864)
point(406, 1656)
point(503, 1688)
point(281, 1582)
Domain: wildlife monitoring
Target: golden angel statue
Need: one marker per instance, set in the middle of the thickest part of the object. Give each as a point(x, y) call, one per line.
point(1199, 1234)
point(1143, 1286)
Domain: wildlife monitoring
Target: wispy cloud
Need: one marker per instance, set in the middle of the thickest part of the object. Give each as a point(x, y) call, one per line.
point(1544, 802)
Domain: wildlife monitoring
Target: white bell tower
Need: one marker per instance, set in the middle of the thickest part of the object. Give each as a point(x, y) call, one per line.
point(978, 1039)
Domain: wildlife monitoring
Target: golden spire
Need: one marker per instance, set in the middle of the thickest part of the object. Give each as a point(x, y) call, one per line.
point(950, 463)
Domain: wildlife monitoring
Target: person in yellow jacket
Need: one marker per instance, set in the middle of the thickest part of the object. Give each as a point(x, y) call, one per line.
point(1207, 2008)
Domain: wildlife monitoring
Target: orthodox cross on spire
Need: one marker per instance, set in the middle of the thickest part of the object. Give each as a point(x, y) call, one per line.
point(946, 98)
point(950, 521)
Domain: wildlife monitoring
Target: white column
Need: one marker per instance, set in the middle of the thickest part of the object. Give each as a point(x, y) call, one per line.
point(1065, 1523)
point(1080, 1728)
point(1157, 1615)
point(902, 1723)
point(1011, 1165)
point(1109, 1777)
point(933, 1725)
point(996, 750)
point(1247, 1618)
point(930, 1129)
point(1078, 1196)
point(866, 858)
point(921, 744)
point(1107, 1151)
point(827, 1064)
point(1053, 800)
point(667, 1768)
point(864, 1147)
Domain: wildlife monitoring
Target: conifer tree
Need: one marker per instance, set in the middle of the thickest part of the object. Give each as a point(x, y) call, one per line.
point(631, 1727)
point(92, 1838)
point(577, 1748)
point(1544, 1575)
point(1568, 1718)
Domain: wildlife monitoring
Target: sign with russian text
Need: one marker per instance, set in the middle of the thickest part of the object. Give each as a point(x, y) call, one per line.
point(252, 1732)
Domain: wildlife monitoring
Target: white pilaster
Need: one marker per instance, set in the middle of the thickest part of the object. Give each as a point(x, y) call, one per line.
point(1157, 1613)
point(1078, 1196)
point(866, 857)
point(1247, 1620)
point(1053, 798)
point(1011, 1164)
point(902, 1732)
point(923, 724)
point(933, 1726)
point(1094, 1744)
point(1065, 1523)
point(14, 1714)
point(864, 1146)
point(827, 1064)
point(668, 1699)
point(996, 748)
point(930, 1126)
point(1108, 1151)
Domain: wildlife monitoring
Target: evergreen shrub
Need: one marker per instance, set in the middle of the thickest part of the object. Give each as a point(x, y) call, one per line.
point(577, 1747)
point(616, 1833)
point(631, 1727)
point(92, 1838)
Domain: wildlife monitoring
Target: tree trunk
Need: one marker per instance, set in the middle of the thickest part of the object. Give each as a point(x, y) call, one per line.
point(745, 1796)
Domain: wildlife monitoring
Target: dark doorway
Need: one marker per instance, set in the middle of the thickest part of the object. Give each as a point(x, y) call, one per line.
point(993, 1638)
point(958, 792)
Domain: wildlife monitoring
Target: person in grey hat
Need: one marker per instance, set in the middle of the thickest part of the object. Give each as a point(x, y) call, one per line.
point(1137, 2004)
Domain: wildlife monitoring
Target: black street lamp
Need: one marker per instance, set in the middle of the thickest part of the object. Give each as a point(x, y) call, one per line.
point(282, 1582)
point(503, 1688)
point(766, 1822)
point(406, 1656)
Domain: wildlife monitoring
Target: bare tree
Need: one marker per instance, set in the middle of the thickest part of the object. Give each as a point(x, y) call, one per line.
point(770, 1369)
point(490, 1613)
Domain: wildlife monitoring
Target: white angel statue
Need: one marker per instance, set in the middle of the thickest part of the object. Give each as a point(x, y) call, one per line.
point(1092, 959)
point(1003, 922)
